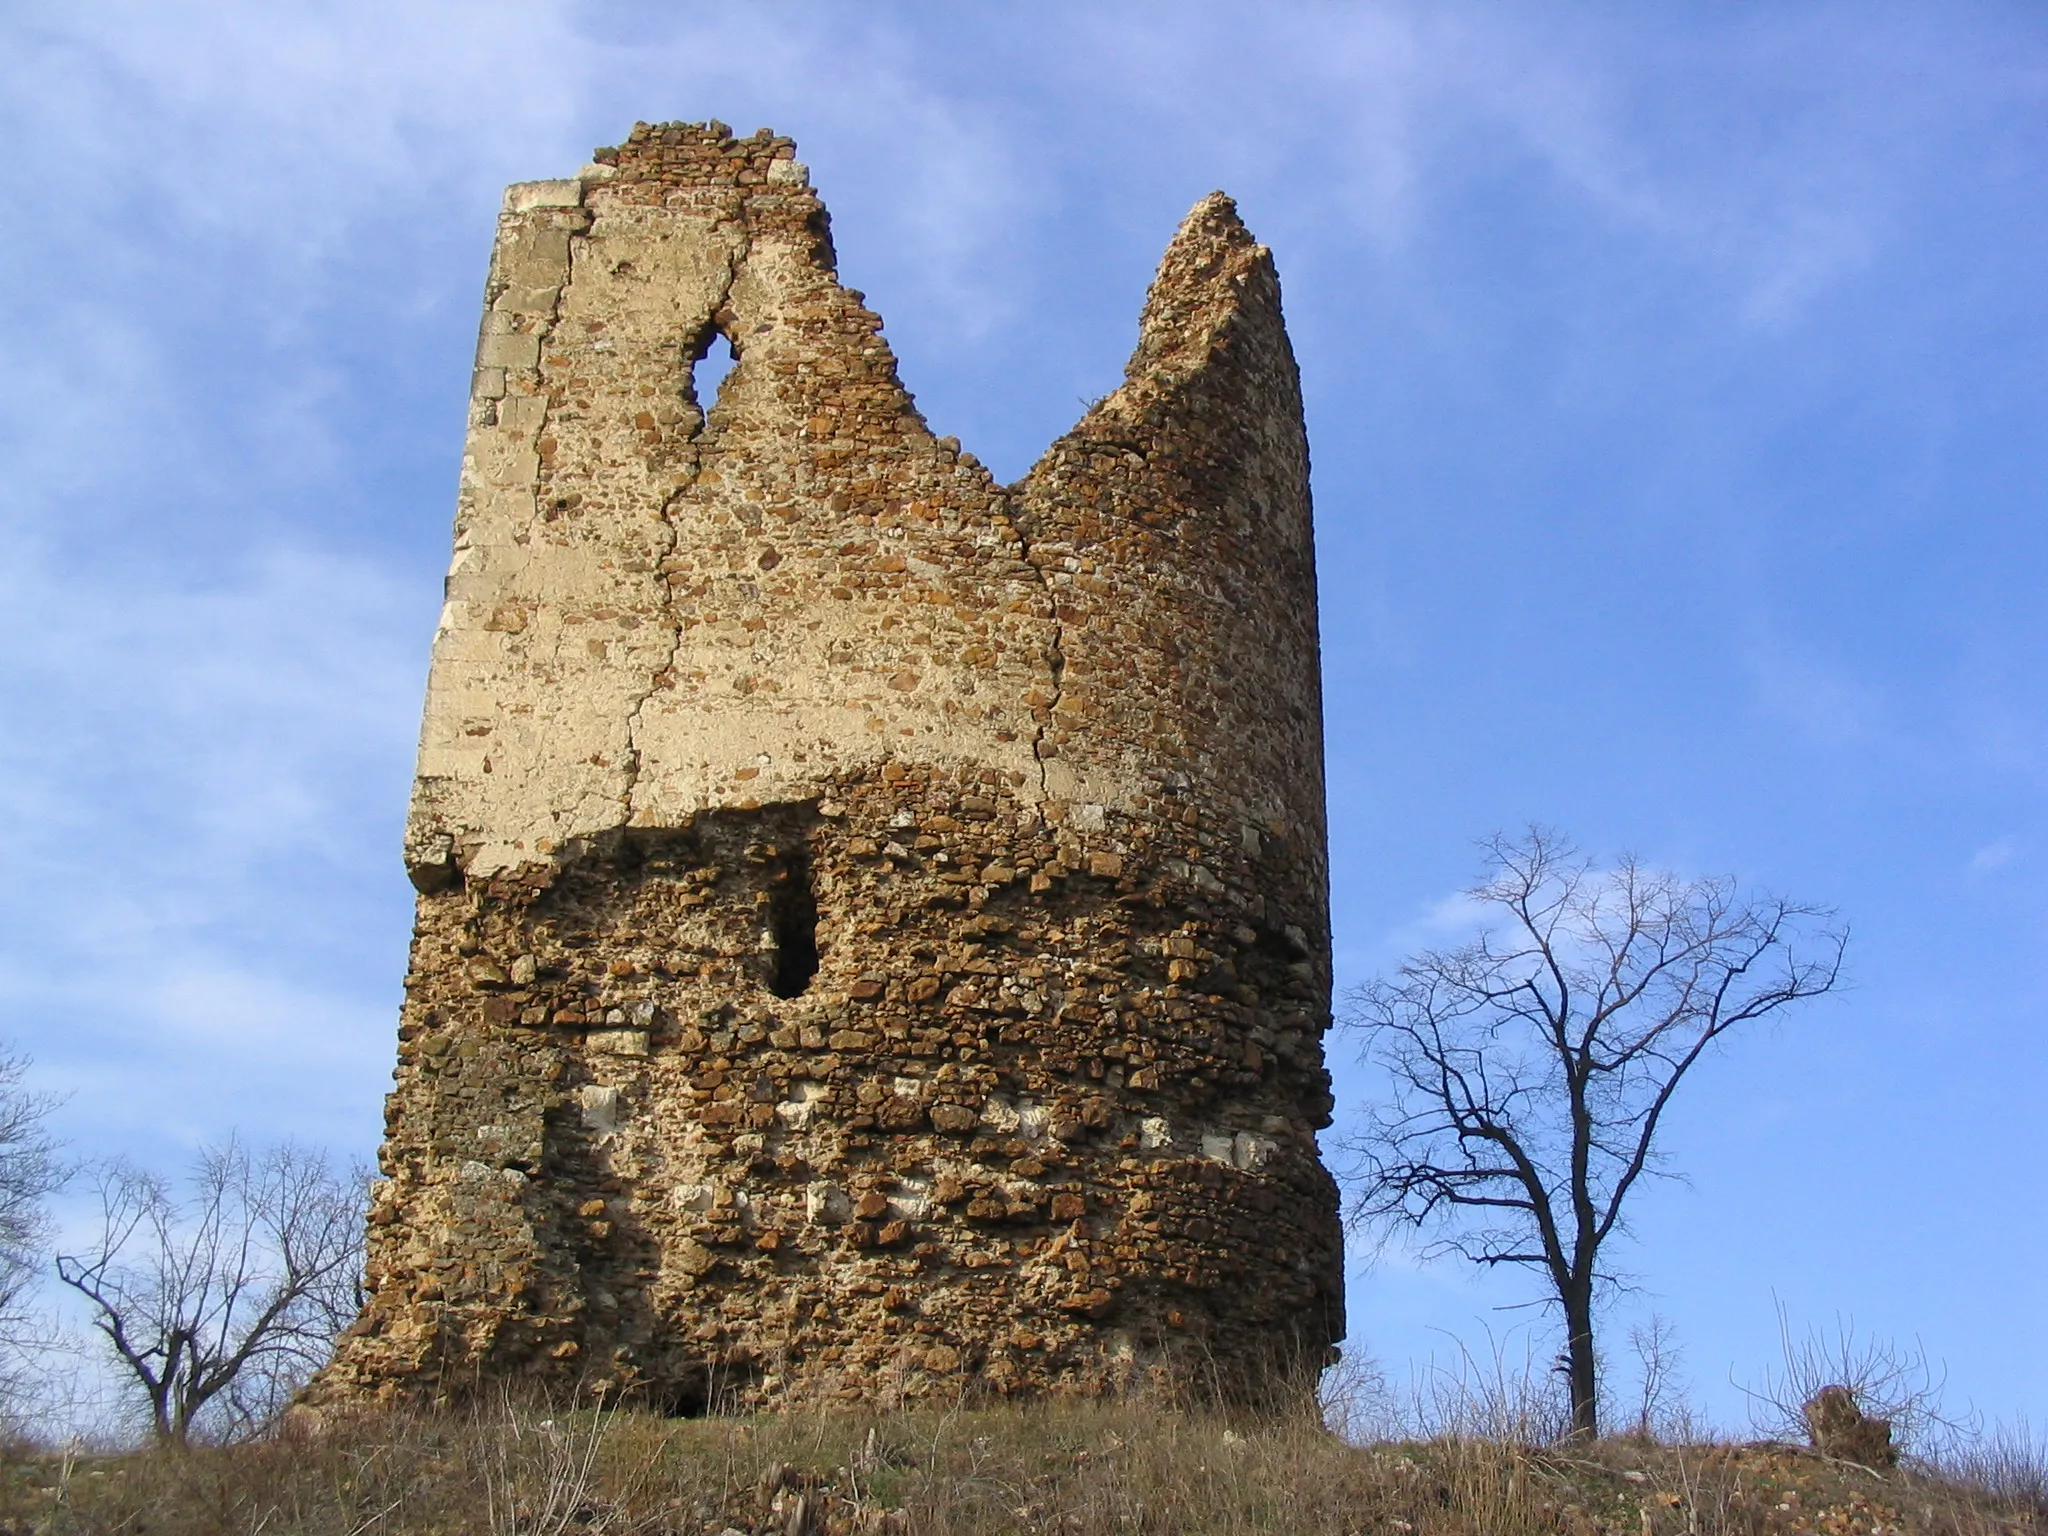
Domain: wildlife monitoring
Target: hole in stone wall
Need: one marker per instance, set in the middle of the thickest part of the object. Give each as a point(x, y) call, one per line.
point(688, 1399)
point(793, 925)
point(709, 368)
point(1276, 945)
point(706, 1390)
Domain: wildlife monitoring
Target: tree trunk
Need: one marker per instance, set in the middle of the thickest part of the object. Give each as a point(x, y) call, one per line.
point(1580, 1369)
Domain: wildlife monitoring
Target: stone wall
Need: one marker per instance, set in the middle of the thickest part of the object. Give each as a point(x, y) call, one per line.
point(872, 930)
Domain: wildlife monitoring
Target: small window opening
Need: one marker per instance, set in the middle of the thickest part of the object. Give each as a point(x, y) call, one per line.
point(708, 370)
point(1276, 945)
point(793, 930)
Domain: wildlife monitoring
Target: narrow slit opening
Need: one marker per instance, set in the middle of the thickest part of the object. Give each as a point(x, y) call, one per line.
point(793, 926)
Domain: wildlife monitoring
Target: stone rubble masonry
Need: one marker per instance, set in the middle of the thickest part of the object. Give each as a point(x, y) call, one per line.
point(873, 925)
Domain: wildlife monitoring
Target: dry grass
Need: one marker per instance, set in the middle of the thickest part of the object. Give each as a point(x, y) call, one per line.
point(1081, 1468)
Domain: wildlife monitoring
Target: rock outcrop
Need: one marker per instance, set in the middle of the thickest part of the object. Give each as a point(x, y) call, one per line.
point(1839, 1428)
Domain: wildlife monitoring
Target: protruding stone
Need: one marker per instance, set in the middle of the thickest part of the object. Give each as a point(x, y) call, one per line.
point(1839, 1428)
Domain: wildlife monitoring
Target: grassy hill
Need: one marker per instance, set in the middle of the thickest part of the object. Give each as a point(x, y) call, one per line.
point(1086, 1469)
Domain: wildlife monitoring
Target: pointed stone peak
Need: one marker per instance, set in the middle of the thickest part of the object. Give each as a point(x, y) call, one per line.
point(1211, 231)
point(1213, 271)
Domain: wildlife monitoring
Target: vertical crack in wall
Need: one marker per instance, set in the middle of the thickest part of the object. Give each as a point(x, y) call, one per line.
point(662, 675)
point(656, 678)
point(1057, 653)
point(544, 329)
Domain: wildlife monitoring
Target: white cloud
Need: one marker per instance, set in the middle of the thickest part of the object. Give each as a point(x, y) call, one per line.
point(199, 791)
point(1994, 855)
point(1442, 923)
point(1820, 701)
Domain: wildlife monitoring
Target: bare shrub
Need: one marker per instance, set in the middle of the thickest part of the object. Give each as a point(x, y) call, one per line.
point(1496, 1399)
point(1661, 1411)
point(540, 1470)
point(216, 1306)
point(1883, 1380)
point(2008, 1465)
point(1354, 1400)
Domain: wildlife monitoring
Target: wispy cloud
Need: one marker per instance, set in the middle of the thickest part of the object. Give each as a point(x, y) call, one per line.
point(1820, 701)
point(1994, 855)
point(200, 789)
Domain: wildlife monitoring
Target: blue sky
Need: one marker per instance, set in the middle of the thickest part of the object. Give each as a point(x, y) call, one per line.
point(1674, 386)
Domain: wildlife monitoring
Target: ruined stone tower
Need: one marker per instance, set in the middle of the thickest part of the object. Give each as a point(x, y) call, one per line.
point(872, 928)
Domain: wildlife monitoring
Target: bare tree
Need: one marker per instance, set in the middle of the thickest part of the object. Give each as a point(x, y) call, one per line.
point(1532, 1067)
point(1658, 1354)
point(222, 1302)
point(29, 1171)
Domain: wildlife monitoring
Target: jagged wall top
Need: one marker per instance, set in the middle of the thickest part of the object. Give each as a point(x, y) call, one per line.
point(660, 605)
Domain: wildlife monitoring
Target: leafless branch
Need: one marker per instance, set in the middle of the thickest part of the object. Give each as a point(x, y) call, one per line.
point(30, 1170)
point(220, 1303)
point(1532, 1068)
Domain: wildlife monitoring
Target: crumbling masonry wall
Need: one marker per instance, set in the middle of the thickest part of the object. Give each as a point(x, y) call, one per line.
point(872, 929)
